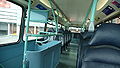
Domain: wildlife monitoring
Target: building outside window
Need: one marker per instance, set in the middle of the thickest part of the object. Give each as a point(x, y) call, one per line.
point(10, 21)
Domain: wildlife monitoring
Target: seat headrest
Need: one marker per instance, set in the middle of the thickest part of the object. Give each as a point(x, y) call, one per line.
point(51, 30)
point(61, 30)
point(107, 34)
point(66, 31)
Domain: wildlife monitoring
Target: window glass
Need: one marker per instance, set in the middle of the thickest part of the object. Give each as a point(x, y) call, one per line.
point(51, 25)
point(74, 29)
point(10, 20)
point(34, 28)
point(116, 20)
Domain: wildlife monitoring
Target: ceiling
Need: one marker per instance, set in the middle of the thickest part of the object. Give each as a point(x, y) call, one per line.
point(76, 10)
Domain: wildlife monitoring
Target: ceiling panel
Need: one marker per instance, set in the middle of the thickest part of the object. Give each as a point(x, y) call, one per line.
point(75, 10)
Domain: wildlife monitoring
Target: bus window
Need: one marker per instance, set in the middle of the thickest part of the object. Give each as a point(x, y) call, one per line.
point(10, 21)
point(116, 20)
point(51, 25)
point(34, 29)
point(75, 30)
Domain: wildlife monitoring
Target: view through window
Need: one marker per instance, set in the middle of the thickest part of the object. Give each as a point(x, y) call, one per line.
point(34, 28)
point(10, 20)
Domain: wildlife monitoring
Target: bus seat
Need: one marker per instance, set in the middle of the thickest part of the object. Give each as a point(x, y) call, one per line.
point(66, 39)
point(61, 38)
point(83, 42)
point(107, 34)
point(87, 35)
point(52, 30)
point(103, 51)
point(70, 36)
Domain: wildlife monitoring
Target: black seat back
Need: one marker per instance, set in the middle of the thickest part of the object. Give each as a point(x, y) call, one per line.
point(103, 50)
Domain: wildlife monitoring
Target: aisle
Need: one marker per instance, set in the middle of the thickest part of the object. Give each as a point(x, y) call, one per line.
point(68, 58)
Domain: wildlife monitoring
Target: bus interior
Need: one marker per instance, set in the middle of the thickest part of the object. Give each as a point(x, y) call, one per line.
point(59, 33)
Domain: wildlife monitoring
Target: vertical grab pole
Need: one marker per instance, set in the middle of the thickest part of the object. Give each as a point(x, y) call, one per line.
point(56, 24)
point(27, 29)
point(87, 14)
point(91, 26)
point(57, 20)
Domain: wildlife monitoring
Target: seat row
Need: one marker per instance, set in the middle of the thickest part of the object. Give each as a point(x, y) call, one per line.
point(65, 37)
point(100, 49)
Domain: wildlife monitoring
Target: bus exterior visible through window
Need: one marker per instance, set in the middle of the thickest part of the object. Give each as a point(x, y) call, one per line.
point(4, 3)
point(10, 21)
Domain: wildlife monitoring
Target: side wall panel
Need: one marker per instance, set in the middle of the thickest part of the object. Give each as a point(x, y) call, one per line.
point(11, 56)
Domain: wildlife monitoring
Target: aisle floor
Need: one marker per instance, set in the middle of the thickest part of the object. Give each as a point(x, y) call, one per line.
point(68, 58)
